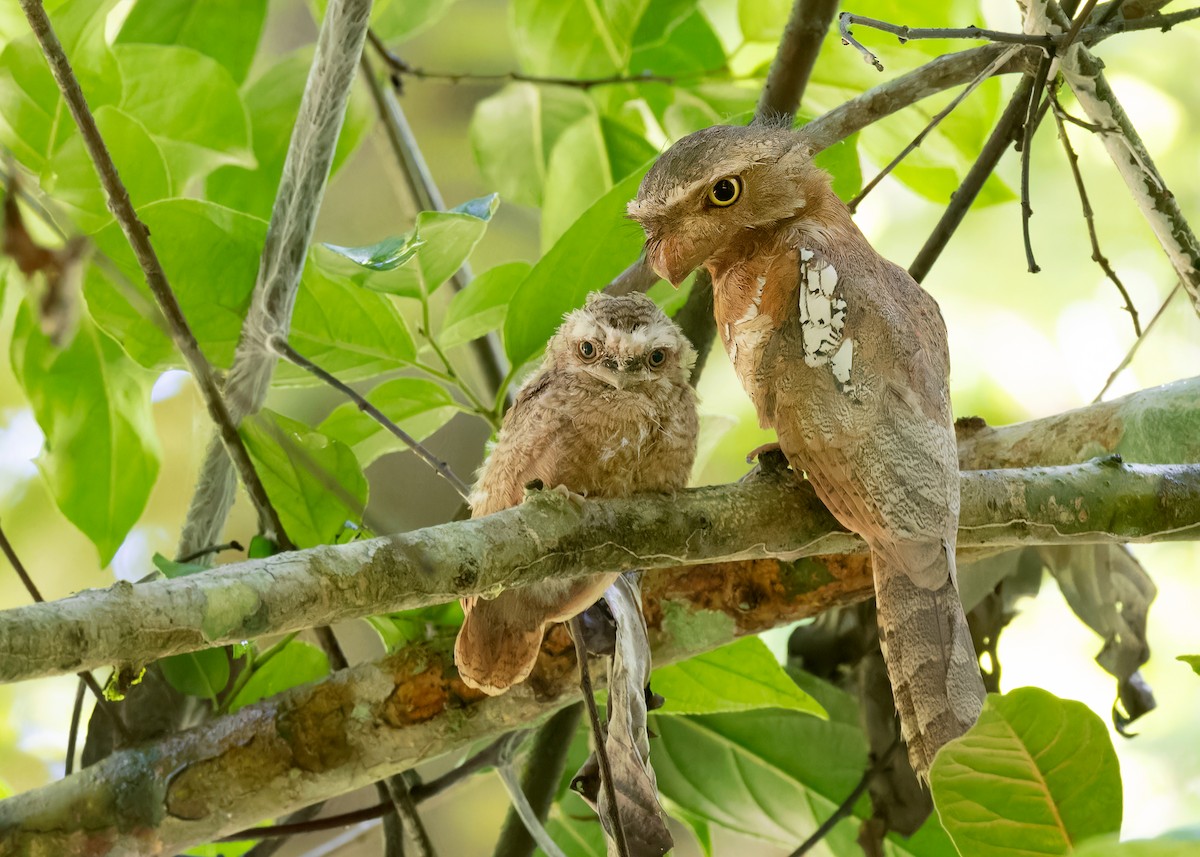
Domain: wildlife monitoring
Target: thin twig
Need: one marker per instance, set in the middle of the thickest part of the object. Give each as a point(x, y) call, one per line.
point(1089, 216)
point(139, 240)
point(906, 34)
point(543, 771)
point(73, 732)
point(997, 144)
point(397, 788)
point(234, 545)
point(598, 735)
point(401, 68)
point(85, 677)
point(281, 347)
point(999, 62)
point(847, 806)
point(1031, 117)
point(1137, 343)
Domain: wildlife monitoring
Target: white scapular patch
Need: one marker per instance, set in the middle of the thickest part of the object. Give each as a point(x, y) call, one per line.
point(822, 314)
point(843, 360)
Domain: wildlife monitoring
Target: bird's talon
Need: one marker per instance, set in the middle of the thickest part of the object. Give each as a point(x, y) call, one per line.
point(765, 449)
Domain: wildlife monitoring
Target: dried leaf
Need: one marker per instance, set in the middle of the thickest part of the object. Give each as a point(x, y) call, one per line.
point(61, 269)
point(1110, 592)
point(628, 741)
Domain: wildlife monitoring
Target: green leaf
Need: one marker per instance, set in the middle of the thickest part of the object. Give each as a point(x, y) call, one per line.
point(172, 569)
point(1192, 661)
point(1176, 843)
point(481, 307)
point(33, 119)
point(409, 626)
point(763, 20)
point(674, 38)
point(577, 837)
point(747, 771)
point(210, 255)
point(415, 265)
point(345, 329)
point(514, 131)
point(226, 30)
point(295, 664)
point(575, 39)
point(138, 158)
point(417, 405)
point(261, 547)
point(741, 676)
point(588, 159)
point(597, 247)
point(191, 106)
point(1036, 774)
point(102, 454)
point(841, 161)
point(203, 674)
point(273, 101)
point(315, 483)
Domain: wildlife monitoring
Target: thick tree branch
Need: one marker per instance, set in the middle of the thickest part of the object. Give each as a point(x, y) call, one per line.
point(549, 536)
point(228, 441)
point(297, 203)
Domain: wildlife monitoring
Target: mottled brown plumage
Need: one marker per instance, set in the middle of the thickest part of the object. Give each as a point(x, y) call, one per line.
point(609, 413)
point(845, 356)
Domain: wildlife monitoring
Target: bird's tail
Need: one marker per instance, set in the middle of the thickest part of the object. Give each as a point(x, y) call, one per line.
point(927, 648)
point(497, 645)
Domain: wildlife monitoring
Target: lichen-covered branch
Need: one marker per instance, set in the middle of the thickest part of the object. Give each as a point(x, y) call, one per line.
point(770, 517)
point(372, 721)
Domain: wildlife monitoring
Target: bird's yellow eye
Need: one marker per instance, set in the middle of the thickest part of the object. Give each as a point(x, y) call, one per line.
point(587, 350)
point(657, 358)
point(725, 192)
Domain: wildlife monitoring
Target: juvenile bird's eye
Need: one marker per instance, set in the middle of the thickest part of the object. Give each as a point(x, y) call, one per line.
point(725, 192)
point(657, 357)
point(587, 350)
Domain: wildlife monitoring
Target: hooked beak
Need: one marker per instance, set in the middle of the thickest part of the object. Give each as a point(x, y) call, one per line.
point(667, 264)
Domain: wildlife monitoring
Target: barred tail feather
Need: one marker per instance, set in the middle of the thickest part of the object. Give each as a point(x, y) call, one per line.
point(930, 659)
point(495, 648)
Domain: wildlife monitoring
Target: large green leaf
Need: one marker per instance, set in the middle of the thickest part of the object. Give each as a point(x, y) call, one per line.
point(347, 330)
point(1036, 774)
point(1182, 843)
point(514, 131)
point(315, 483)
point(294, 664)
point(33, 119)
point(583, 39)
point(273, 100)
point(481, 307)
point(226, 30)
point(418, 263)
point(204, 673)
point(588, 159)
point(210, 255)
point(393, 20)
point(139, 161)
point(674, 38)
point(597, 247)
point(191, 106)
point(93, 404)
point(741, 676)
point(417, 405)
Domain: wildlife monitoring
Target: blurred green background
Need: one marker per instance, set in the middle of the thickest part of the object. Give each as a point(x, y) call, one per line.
point(1022, 346)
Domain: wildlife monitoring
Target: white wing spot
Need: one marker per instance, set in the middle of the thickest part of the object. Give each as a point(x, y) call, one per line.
point(842, 362)
point(822, 315)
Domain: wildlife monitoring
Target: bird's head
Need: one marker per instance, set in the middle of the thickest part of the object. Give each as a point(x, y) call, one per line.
point(712, 186)
point(624, 342)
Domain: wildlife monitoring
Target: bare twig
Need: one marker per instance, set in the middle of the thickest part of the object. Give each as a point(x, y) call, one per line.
point(1137, 343)
point(406, 808)
point(73, 732)
point(999, 62)
point(798, 50)
point(286, 351)
point(139, 240)
point(1089, 217)
point(616, 829)
point(211, 549)
point(912, 34)
point(846, 806)
point(401, 68)
point(543, 770)
point(85, 677)
point(997, 144)
point(1031, 124)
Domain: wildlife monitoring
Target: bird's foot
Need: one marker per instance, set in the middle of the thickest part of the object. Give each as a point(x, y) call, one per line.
point(760, 451)
point(576, 500)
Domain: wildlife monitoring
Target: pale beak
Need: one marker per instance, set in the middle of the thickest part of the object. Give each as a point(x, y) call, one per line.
point(670, 268)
